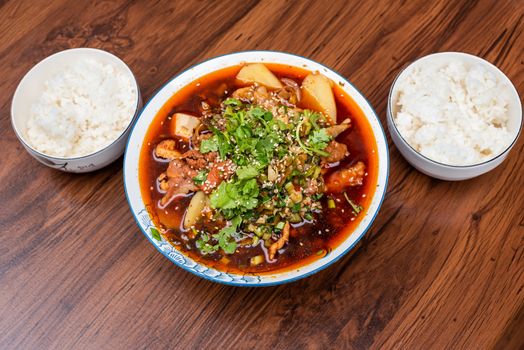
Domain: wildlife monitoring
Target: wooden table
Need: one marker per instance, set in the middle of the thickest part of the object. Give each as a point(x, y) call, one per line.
point(442, 266)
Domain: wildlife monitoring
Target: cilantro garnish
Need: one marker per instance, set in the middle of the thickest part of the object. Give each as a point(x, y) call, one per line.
point(232, 102)
point(247, 172)
point(270, 152)
point(200, 178)
point(316, 141)
point(356, 208)
point(319, 139)
point(209, 145)
point(235, 197)
point(204, 246)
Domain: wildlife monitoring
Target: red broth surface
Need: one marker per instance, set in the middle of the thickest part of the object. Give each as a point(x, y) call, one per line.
point(309, 241)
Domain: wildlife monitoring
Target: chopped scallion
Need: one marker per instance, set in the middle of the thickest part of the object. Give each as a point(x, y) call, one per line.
point(356, 208)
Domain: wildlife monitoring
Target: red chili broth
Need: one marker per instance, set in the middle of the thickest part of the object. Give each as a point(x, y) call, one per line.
point(359, 139)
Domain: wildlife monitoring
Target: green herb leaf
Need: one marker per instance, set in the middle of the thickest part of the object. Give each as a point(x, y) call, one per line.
point(313, 117)
point(296, 207)
point(236, 221)
point(242, 132)
point(319, 139)
point(239, 196)
point(209, 145)
point(232, 102)
point(155, 234)
point(205, 237)
point(201, 177)
point(223, 145)
point(226, 236)
point(219, 197)
point(250, 188)
point(299, 140)
point(317, 196)
point(204, 246)
point(261, 113)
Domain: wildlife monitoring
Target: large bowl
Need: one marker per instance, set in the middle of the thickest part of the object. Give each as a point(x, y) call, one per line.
point(144, 221)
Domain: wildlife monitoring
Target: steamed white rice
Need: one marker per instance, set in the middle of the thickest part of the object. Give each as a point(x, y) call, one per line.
point(82, 109)
point(453, 114)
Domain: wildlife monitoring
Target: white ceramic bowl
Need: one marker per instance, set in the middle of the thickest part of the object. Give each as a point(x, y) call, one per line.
point(440, 170)
point(140, 212)
point(29, 90)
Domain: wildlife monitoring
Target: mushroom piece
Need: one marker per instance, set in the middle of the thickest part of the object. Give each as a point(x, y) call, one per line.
point(338, 129)
point(163, 182)
point(280, 242)
point(291, 91)
point(245, 93)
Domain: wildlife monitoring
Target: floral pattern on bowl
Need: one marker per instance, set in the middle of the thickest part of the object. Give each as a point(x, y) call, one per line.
point(185, 262)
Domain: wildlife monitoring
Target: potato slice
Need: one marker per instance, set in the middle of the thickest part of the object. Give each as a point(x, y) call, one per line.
point(258, 73)
point(185, 124)
point(317, 94)
point(194, 209)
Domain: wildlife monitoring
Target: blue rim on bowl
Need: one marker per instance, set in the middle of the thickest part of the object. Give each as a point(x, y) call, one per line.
point(141, 214)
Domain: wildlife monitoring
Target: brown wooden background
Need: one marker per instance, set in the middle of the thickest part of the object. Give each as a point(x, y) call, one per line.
point(442, 266)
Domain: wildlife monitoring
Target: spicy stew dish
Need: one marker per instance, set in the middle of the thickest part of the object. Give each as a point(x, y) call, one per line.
point(258, 168)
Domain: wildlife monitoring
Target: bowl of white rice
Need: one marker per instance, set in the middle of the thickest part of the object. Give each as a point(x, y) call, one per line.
point(73, 110)
point(453, 116)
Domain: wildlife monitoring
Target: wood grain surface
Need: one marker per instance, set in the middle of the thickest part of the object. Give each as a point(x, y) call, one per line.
point(442, 266)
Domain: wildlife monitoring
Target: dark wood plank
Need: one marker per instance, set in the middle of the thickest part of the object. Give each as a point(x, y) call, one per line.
point(442, 267)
